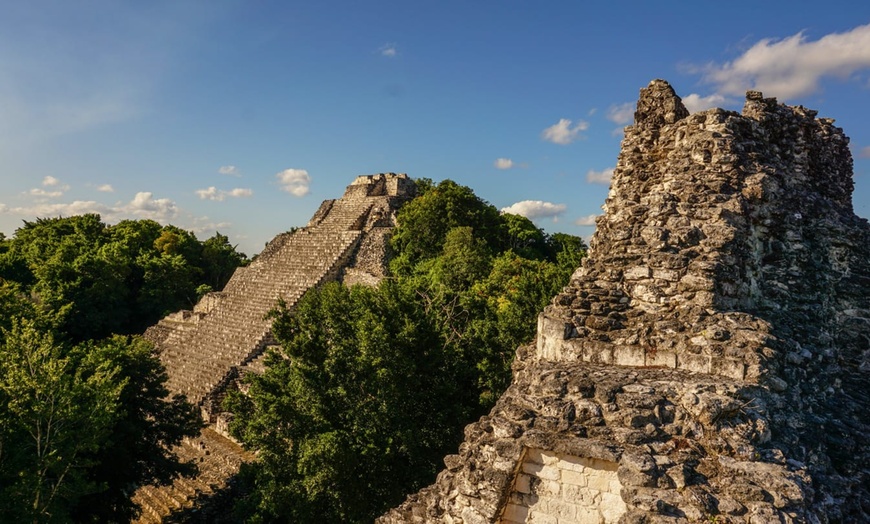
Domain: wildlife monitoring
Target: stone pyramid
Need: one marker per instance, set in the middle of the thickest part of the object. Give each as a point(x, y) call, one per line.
point(709, 361)
point(207, 350)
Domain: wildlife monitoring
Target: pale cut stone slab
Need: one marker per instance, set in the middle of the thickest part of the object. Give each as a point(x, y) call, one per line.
point(567, 490)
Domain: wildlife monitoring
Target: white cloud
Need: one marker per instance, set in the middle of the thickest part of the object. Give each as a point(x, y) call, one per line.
point(42, 193)
point(208, 194)
point(588, 220)
point(622, 114)
point(532, 209)
point(389, 50)
point(294, 181)
point(696, 102)
point(219, 195)
point(864, 152)
point(106, 188)
point(229, 170)
point(240, 192)
point(599, 177)
point(205, 225)
point(144, 205)
point(49, 182)
point(77, 207)
point(792, 66)
point(503, 163)
point(563, 133)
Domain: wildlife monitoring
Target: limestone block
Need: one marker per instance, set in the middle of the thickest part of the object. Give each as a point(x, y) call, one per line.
point(637, 273)
point(522, 483)
point(587, 516)
point(549, 488)
point(534, 456)
point(541, 471)
point(537, 516)
point(563, 511)
point(578, 494)
point(515, 513)
point(629, 356)
point(612, 507)
point(663, 358)
point(647, 293)
point(666, 274)
point(570, 463)
point(728, 367)
point(551, 333)
point(598, 480)
point(615, 485)
point(696, 363)
point(471, 516)
point(597, 352)
point(575, 478)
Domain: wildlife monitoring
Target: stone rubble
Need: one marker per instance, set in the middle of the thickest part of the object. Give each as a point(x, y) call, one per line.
point(713, 349)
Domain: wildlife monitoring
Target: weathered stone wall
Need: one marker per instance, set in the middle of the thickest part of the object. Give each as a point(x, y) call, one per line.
point(714, 344)
point(713, 223)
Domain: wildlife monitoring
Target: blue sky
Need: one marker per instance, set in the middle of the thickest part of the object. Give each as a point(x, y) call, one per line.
point(243, 116)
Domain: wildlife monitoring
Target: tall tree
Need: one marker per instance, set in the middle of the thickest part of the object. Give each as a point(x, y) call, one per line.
point(355, 409)
point(219, 260)
point(80, 428)
point(146, 425)
point(52, 418)
point(426, 220)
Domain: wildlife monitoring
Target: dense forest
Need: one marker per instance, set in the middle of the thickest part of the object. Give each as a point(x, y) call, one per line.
point(370, 388)
point(84, 414)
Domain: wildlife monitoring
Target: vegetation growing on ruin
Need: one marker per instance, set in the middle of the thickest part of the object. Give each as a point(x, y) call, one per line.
point(84, 416)
point(372, 386)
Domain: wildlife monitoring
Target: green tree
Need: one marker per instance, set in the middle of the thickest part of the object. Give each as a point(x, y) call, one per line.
point(146, 425)
point(524, 237)
point(168, 284)
point(75, 278)
point(13, 306)
point(13, 264)
point(80, 428)
point(96, 280)
point(566, 250)
point(426, 220)
point(176, 241)
point(356, 409)
point(465, 259)
point(503, 311)
point(219, 260)
point(51, 419)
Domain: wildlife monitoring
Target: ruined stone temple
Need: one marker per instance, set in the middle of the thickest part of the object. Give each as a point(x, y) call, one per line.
point(207, 350)
point(710, 360)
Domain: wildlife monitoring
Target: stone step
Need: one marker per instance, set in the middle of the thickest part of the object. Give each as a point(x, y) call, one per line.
point(218, 459)
point(199, 357)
